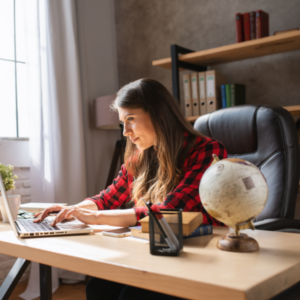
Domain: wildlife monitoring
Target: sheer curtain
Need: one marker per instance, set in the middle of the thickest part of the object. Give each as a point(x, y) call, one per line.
point(57, 158)
point(56, 131)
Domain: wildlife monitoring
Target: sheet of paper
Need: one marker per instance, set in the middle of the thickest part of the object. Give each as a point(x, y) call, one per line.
point(96, 228)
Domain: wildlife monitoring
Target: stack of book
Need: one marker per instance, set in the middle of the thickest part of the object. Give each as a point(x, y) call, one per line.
point(191, 226)
point(233, 94)
point(202, 92)
point(206, 229)
point(251, 25)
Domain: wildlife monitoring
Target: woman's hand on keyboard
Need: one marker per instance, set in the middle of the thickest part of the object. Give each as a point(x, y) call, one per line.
point(84, 215)
point(63, 210)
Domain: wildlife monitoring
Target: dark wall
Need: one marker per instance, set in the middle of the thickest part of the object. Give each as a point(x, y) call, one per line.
point(146, 29)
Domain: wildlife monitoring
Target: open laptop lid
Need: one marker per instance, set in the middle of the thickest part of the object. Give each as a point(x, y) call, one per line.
point(7, 207)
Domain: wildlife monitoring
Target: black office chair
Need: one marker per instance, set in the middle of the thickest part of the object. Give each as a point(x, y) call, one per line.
point(266, 136)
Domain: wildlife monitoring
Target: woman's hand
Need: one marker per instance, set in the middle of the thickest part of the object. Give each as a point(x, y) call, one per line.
point(68, 212)
point(84, 215)
point(54, 208)
point(90, 215)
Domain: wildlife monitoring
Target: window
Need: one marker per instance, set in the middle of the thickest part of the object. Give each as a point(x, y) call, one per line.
point(14, 119)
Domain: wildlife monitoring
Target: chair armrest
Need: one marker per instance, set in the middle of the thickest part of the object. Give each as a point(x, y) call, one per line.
point(279, 224)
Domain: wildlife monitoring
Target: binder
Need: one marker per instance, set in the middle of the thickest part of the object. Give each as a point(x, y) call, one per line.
point(187, 95)
point(252, 15)
point(239, 28)
point(237, 94)
point(202, 93)
point(246, 26)
point(213, 80)
point(223, 94)
point(195, 94)
point(262, 24)
point(228, 95)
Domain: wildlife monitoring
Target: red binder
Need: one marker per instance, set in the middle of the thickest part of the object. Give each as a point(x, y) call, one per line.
point(252, 25)
point(262, 24)
point(246, 25)
point(239, 27)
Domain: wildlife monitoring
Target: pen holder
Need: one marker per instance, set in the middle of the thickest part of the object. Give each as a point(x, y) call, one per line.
point(159, 245)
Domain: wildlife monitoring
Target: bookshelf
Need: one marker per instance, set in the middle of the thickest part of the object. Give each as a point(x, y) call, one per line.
point(185, 59)
point(294, 110)
point(264, 46)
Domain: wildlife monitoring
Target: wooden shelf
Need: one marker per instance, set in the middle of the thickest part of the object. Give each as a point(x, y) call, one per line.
point(294, 110)
point(284, 42)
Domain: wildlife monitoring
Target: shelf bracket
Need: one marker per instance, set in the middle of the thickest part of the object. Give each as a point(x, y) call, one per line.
point(177, 64)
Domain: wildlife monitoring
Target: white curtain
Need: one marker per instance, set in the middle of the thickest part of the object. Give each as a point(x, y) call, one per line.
point(57, 156)
point(56, 131)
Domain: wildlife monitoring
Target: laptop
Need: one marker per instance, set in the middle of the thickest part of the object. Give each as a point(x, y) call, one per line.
point(25, 228)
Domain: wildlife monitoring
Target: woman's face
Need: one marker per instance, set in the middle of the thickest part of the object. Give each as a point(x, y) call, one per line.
point(138, 127)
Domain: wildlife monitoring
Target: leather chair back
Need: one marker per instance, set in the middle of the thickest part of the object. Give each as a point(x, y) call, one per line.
point(266, 136)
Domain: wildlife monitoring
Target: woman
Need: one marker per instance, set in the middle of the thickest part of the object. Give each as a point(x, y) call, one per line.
point(165, 159)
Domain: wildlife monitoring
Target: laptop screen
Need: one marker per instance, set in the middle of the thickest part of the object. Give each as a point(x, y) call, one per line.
point(7, 208)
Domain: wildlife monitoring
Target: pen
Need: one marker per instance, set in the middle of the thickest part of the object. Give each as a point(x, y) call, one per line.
point(164, 227)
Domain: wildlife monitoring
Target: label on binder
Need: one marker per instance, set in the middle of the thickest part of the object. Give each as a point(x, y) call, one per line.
point(194, 88)
point(202, 87)
point(210, 86)
point(186, 90)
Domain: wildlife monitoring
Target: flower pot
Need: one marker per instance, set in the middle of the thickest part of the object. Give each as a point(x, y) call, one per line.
point(14, 202)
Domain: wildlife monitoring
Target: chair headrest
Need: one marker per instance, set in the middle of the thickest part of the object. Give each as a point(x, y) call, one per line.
point(219, 124)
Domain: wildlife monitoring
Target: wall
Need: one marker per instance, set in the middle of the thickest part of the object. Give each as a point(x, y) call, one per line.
point(146, 29)
point(97, 55)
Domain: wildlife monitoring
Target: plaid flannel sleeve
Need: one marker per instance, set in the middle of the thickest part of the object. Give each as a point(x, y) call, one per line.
point(186, 194)
point(116, 194)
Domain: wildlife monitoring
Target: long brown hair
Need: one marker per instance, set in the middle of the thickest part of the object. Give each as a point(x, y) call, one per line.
point(158, 169)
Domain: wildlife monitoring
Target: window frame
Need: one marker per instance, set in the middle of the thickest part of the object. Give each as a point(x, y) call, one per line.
point(15, 62)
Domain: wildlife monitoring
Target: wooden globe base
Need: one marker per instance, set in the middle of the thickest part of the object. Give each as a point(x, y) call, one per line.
point(238, 243)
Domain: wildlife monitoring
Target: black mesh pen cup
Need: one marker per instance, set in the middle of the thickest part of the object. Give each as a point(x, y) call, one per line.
point(165, 231)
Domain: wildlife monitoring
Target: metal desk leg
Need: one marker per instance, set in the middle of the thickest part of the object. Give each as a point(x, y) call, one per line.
point(13, 278)
point(45, 282)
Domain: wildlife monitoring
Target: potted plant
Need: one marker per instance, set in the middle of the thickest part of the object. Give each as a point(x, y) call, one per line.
point(9, 184)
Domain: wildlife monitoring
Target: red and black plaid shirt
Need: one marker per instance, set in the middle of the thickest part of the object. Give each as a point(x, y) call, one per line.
point(185, 195)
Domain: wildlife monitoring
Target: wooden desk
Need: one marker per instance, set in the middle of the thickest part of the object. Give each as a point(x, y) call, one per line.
point(201, 272)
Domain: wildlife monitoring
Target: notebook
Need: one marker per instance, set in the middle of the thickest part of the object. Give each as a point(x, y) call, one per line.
point(25, 228)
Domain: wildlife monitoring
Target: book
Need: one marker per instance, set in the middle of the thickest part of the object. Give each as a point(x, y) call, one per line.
point(246, 26)
point(223, 94)
point(202, 93)
point(190, 221)
point(187, 95)
point(262, 24)
point(239, 28)
point(237, 94)
point(195, 94)
point(252, 16)
point(228, 95)
point(214, 80)
point(204, 229)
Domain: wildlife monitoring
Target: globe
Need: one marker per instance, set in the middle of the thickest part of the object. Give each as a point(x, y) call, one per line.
point(233, 191)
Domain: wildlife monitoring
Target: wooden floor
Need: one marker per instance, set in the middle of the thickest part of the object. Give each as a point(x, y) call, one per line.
point(64, 292)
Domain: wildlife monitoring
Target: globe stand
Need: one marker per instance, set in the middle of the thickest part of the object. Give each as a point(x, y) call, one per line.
point(238, 243)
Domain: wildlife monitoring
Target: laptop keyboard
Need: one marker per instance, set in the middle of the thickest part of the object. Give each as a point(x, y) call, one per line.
point(45, 225)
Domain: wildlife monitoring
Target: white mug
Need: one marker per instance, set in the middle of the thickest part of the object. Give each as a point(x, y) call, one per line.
point(14, 202)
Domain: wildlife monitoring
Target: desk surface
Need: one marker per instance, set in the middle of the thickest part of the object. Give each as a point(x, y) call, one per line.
point(200, 272)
